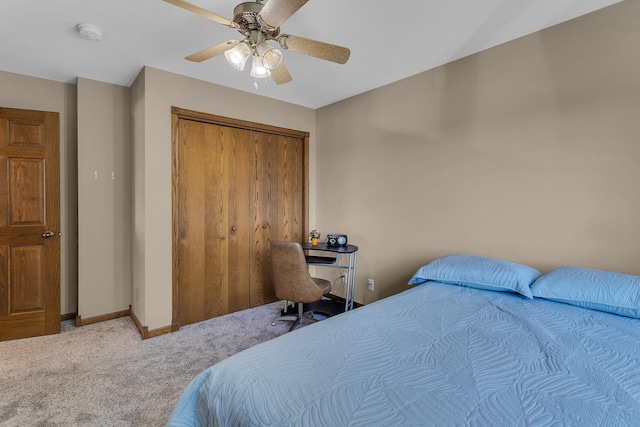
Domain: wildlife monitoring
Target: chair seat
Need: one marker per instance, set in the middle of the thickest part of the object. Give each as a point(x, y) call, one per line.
point(291, 279)
point(324, 285)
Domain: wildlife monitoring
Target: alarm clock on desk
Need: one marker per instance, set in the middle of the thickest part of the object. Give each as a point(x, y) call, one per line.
point(336, 239)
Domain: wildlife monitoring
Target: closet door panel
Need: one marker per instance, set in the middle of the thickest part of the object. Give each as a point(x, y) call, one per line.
point(290, 189)
point(238, 162)
point(192, 236)
point(215, 219)
point(264, 215)
point(213, 215)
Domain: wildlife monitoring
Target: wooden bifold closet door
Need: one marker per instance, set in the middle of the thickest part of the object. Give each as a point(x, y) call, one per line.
point(237, 185)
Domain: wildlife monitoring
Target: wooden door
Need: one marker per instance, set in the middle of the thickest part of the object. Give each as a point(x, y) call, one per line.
point(264, 216)
point(229, 178)
point(277, 205)
point(213, 240)
point(292, 220)
point(29, 223)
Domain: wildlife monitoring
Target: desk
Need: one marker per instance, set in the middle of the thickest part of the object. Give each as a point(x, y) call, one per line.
point(352, 252)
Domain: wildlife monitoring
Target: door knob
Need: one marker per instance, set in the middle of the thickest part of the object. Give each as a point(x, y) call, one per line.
point(48, 234)
point(264, 227)
point(233, 228)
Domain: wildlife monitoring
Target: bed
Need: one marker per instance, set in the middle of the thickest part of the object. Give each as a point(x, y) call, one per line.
point(471, 344)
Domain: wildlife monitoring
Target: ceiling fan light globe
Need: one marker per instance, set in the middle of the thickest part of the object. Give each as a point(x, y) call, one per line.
point(237, 57)
point(258, 70)
point(271, 58)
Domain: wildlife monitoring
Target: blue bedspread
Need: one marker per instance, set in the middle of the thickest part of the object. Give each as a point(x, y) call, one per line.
point(433, 355)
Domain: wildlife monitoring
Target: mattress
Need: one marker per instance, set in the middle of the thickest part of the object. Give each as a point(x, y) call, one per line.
point(435, 354)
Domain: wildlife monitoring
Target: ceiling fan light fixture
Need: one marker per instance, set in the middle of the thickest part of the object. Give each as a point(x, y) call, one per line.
point(238, 56)
point(270, 56)
point(259, 21)
point(257, 69)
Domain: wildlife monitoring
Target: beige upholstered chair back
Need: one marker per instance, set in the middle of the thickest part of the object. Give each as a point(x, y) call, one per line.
point(291, 277)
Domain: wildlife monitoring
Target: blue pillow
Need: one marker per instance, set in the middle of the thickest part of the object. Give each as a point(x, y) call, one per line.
point(478, 272)
point(608, 291)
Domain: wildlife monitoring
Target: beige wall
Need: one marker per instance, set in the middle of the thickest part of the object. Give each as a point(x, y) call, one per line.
point(528, 151)
point(30, 93)
point(138, 295)
point(152, 164)
point(104, 198)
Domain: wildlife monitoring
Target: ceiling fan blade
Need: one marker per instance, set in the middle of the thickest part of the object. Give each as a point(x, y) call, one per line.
point(202, 12)
point(275, 12)
point(281, 75)
point(212, 51)
point(326, 51)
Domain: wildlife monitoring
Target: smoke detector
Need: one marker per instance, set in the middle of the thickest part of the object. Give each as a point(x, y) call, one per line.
point(90, 32)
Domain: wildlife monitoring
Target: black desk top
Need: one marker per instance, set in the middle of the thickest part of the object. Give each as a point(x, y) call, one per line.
point(347, 249)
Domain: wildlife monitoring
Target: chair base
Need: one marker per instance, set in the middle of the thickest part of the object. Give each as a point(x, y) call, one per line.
point(297, 318)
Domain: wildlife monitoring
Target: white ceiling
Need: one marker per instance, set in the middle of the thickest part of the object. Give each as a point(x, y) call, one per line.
point(389, 40)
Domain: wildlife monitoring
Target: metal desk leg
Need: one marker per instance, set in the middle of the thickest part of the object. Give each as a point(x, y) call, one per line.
point(347, 293)
point(351, 282)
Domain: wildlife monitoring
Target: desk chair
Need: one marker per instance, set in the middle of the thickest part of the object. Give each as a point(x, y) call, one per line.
point(292, 281)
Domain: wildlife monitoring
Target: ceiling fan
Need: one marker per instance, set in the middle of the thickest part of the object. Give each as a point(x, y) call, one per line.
point(260, 22)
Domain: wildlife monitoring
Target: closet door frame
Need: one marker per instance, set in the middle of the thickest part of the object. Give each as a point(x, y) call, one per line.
point(178, 114)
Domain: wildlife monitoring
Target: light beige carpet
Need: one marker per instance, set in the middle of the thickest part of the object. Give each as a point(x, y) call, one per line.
point(105, 375)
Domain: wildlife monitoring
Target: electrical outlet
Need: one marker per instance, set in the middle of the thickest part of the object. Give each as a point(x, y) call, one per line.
point(370, 284)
